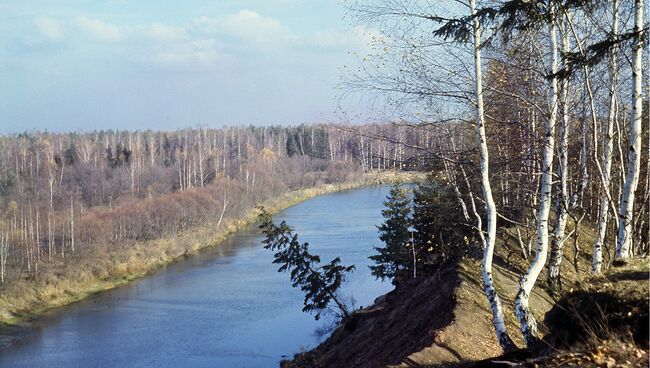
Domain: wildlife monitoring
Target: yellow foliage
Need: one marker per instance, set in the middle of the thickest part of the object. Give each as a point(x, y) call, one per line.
point(268, 154)
point(12, 206)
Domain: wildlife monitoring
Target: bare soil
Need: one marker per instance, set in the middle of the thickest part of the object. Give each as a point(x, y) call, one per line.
point(444, 319)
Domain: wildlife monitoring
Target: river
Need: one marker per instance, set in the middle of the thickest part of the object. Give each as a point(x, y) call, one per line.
point(224, 307)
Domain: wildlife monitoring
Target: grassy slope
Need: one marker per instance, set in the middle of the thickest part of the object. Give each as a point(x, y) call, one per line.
point(445, 318)
point(25, 300)
point(601, 321)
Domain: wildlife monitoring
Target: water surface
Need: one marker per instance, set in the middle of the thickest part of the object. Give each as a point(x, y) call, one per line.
point(225, 307)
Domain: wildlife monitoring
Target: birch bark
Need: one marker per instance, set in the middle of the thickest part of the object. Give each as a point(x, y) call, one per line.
point(488, 247)
point(608, 149)
point(625, 216)
point(528, 279)
point(561, 213)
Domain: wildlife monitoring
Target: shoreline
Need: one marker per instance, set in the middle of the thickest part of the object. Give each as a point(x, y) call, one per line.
point(161, 253)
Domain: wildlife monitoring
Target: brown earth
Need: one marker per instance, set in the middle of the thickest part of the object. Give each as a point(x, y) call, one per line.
point(600, 322)
point(444, 319)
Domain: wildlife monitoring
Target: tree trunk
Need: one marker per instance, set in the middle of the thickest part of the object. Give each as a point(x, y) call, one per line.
point(4, 252)
point(608, 148)
point(71, 224)
point(528, 279)
point(625, 216)
point(488, 246)
point(561, 213)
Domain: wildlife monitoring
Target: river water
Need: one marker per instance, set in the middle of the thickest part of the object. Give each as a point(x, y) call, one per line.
point(225, 307)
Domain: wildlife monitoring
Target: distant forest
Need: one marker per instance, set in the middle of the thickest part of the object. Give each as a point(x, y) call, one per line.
point(65, 195)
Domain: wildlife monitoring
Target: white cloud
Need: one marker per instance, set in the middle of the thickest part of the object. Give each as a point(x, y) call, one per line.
point(263, 32)
point(100, 30)
point(201, 52)
point(210, 41)
point(248, 26)
point(164, 33)
point(50, 28)
point(109, 32)
point(155, 43)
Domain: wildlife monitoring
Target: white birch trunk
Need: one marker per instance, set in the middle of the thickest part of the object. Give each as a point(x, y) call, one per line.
point(608, 149)
point(4, 253)
point(488, 249)
point(50, 241)
point(528, 279)
point(624, 241)
point(71, 224)
point(561, 213)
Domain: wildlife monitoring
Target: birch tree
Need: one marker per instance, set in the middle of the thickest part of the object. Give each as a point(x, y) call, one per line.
point(528, 279)
point(625, 215)
point(561, 207)
point(488, 240)
point(608, 148)
point(4, 254)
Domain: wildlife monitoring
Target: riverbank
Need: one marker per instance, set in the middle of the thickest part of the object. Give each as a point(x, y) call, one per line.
point(444, 319)
point(27, 300)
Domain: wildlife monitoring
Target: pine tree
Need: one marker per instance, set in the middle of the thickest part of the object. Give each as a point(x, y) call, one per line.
point(394, 258)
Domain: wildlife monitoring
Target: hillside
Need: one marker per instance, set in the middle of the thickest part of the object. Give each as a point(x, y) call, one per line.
point(444, 319)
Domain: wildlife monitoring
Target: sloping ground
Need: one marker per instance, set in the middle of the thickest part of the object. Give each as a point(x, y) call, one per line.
point(392, 328)
point(615, 304)
point(602, 322)
point(445, 319)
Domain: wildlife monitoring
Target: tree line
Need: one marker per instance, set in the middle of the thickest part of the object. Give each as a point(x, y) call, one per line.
point(64, 196)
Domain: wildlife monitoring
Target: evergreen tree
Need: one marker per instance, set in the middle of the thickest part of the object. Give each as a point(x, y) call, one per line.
point(440, 231)
point(425, 213)
point(394, 258)
point(110, 158)
point(320, 283)
point(71, 154)
point(292, 145)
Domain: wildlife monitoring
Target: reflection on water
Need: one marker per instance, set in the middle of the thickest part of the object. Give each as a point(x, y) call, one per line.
point(225, 307)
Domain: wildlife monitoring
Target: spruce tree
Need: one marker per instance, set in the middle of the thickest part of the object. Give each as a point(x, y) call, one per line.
point(440, 231)
point(425, 213)
point(292, 145)
point(394, 258)
point(319, 282)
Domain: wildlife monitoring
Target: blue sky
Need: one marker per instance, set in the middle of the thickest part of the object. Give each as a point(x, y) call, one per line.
point(162, 64)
